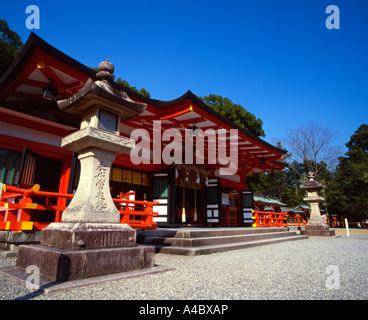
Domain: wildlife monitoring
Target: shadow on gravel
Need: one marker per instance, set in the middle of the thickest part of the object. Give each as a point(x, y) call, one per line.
point(36, 293)
point(21, 276)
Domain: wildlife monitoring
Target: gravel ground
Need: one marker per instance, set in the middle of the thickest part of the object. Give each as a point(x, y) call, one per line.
point(289, 270)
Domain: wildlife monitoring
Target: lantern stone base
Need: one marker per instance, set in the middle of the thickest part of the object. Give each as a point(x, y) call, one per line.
point(63, 265)
point(71, 251)
point(81, 236)
point(317, 230)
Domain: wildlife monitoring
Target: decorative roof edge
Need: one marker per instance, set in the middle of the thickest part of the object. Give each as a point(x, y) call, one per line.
point(35, 41)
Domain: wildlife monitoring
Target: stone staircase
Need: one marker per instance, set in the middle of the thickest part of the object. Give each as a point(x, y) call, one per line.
point(198, 241)
point(11, 240)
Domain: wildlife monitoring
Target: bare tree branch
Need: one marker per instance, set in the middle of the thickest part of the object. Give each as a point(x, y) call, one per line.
point(312, 145)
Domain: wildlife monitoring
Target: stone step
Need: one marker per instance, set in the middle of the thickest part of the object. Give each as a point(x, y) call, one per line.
point(214, 232)
point(190, 251)
point(197, 241)
point(8, 254)
point(11, 240)
point(215, 240)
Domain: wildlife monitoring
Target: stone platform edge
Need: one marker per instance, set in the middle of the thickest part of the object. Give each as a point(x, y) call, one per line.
point(48, 286)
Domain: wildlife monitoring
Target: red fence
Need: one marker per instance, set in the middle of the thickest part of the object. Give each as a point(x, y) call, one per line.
point(296, 220)
point(276, 219)
point(18, 212)
point(269, 219)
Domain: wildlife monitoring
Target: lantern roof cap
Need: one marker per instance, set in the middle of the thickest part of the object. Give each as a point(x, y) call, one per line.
point(311, 184)
point(102, 92)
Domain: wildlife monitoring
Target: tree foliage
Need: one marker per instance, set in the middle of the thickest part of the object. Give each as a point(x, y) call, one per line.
point(285, 185)
point(358, 143)
point(236, 113)
point(143, 92)
point(10, 45)
point(347, 194)
point(282, 185)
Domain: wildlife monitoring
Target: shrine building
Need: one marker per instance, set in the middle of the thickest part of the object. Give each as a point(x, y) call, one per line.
point(199, 193)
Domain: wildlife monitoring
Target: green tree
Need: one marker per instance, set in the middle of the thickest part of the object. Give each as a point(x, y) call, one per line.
point(358, 143)
point(143, 92)
point(347, 194)
point(235, 112)
point(10, 45)
point(283, 185)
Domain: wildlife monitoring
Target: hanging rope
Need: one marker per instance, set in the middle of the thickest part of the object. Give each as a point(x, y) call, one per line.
point(183, 217)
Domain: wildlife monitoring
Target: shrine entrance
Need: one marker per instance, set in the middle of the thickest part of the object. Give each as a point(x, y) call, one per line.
point(189, 197)
point(190, 194)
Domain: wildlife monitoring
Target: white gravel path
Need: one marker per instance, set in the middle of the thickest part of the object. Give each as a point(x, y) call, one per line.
point(289, 270)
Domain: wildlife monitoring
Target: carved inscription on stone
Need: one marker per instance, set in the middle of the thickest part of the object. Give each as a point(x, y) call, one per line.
point(101, 179)
point(111, 239)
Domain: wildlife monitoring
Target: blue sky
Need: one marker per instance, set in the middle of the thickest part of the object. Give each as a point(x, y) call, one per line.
point(275, 58)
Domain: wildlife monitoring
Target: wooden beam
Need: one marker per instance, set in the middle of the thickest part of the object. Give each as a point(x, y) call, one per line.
point(17, 78)
point(176, 114)
point(27, 123)
point(27, 95)
point(35, 83)
point(52, 76)
point(60, 65)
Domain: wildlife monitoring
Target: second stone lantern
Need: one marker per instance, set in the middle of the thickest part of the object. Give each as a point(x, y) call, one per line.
point(315, 225)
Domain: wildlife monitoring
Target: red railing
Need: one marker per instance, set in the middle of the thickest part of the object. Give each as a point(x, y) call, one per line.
point(17, 209)
point(269, 219)
point(296, 220)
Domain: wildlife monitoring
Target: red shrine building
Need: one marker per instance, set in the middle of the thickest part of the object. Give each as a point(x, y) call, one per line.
point(32, 126)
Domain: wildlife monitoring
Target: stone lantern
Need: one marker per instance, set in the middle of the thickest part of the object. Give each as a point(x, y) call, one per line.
point(315, 225)
point(102, 108)
point(90, 241)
